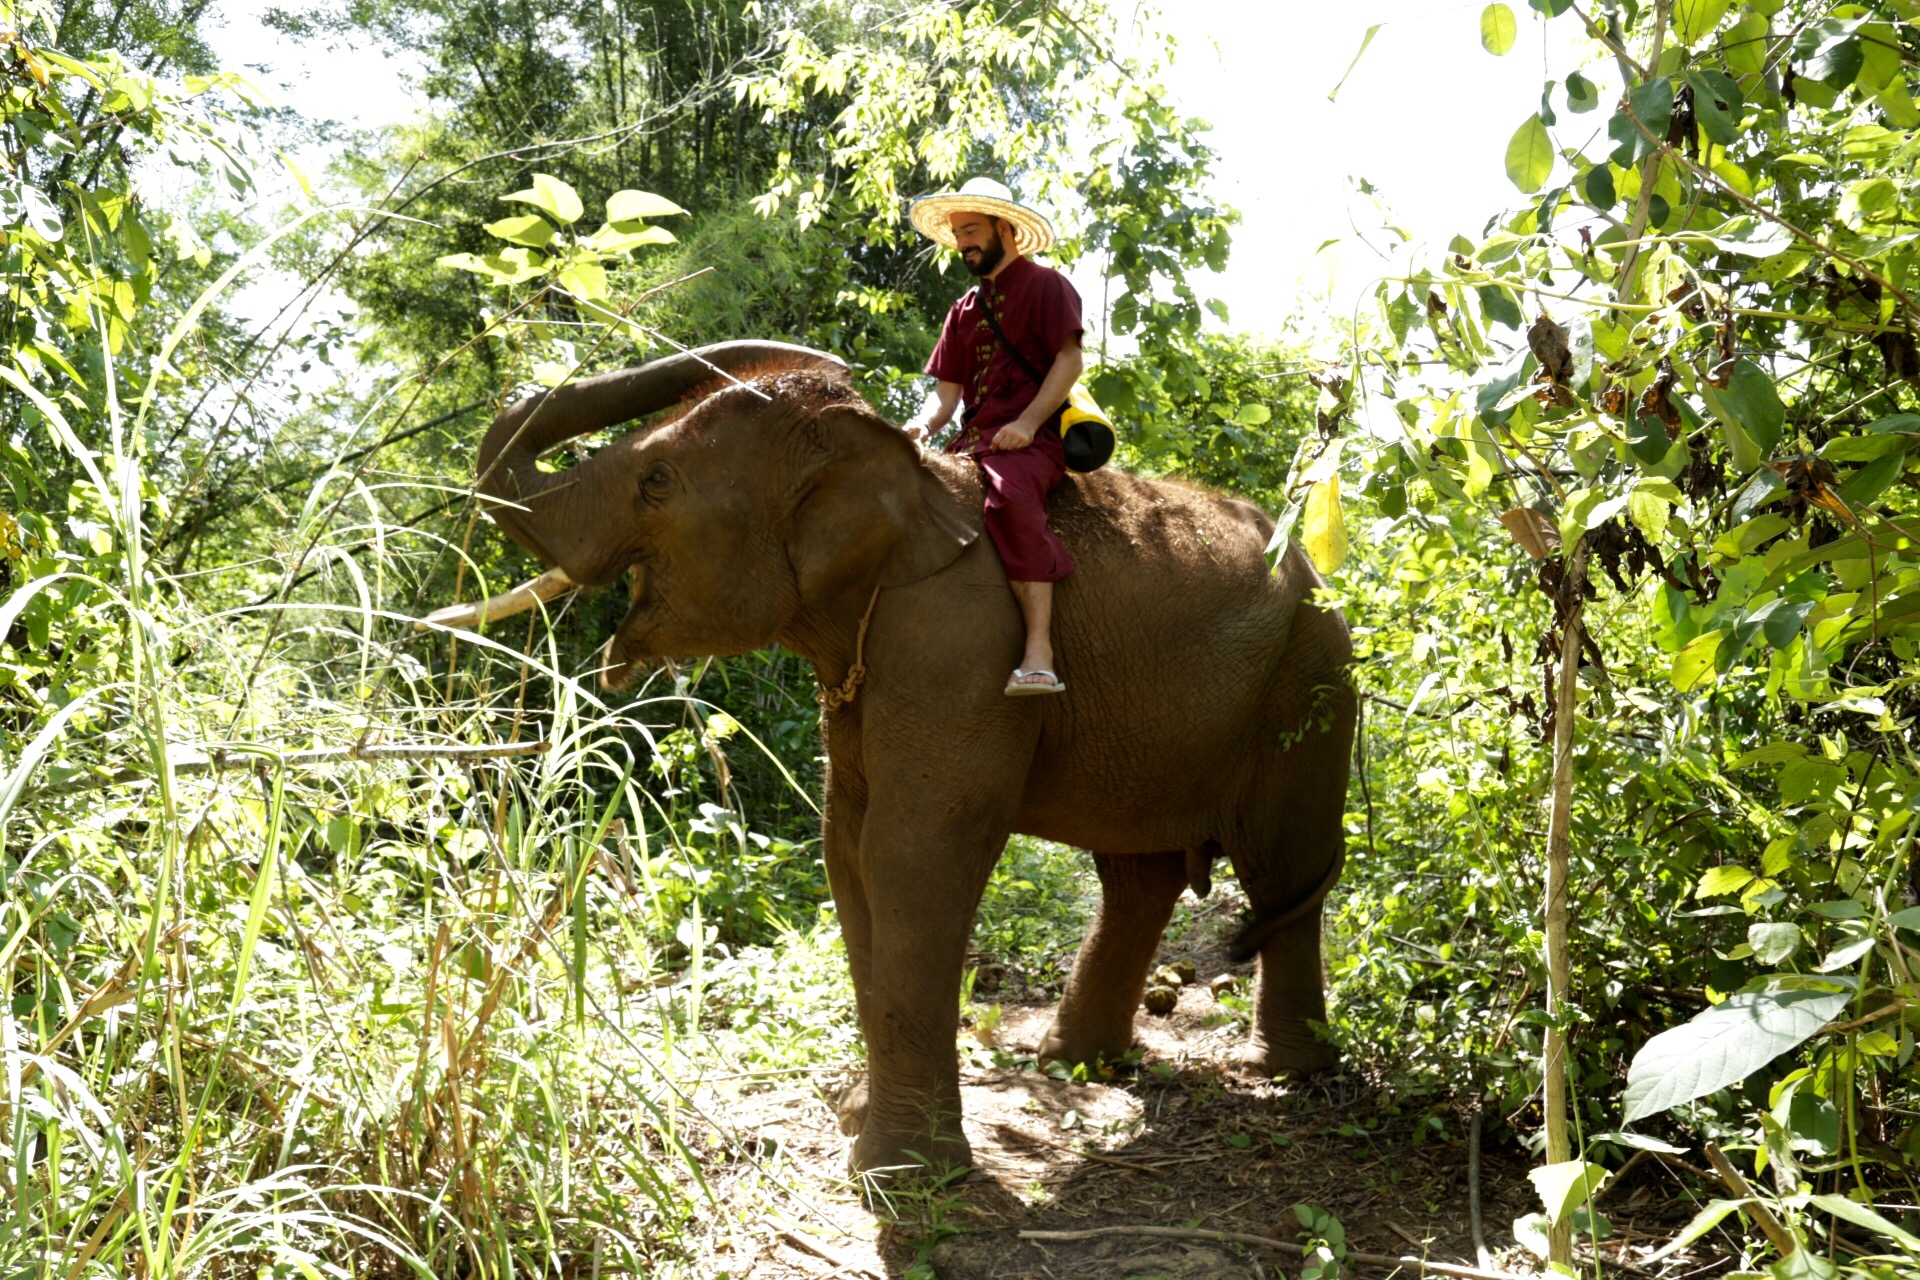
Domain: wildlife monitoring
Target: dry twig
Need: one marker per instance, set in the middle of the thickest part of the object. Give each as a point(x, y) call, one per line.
point(1420, 1266)
point(1777, 1235)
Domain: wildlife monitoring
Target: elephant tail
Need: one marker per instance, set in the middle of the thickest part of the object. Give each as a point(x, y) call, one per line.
point(1260, 930)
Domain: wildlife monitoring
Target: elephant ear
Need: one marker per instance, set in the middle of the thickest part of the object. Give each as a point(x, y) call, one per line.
point(874, 513)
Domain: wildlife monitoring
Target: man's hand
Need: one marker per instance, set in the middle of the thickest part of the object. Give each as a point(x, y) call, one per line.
point(1017, 434)
point(916, 431)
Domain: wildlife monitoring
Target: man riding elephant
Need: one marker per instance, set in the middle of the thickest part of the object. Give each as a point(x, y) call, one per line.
point(1009, 352)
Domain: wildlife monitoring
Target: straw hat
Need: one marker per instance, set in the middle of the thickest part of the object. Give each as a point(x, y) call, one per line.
point(1031, 232)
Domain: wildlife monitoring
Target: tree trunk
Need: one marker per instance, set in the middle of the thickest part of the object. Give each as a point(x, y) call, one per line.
point(1559, 858)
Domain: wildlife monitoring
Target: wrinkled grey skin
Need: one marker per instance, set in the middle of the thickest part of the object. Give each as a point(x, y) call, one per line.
point(1207, 708)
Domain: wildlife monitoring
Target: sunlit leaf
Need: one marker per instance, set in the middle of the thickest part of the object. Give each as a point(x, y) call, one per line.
point(1323, 531)
point(631, 206)
point(1694, 20)
point(1530, 155)
point(1723, 1046)
point(552, 195)
point(1773, 942)
point(529, 229)
point(1365, 40)
point(1497, 29)
point(1566, 1186)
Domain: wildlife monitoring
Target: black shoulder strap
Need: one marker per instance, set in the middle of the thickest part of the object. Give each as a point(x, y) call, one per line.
point(993, 322)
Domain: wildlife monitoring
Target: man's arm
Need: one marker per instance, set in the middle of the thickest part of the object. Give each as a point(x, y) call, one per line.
point(937, 411)
point(1019, 433)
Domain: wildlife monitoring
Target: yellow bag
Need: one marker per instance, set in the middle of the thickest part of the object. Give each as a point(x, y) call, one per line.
point(1085, 431)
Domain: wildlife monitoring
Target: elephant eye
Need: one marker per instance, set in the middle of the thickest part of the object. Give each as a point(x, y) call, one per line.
point(655, 483)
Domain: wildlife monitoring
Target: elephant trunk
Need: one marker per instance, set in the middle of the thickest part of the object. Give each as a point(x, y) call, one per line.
point(522, 499)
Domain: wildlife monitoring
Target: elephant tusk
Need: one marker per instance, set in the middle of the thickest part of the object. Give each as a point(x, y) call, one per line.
point(522, 598)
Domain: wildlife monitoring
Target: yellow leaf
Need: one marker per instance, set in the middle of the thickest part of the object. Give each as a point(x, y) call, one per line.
point(1324, 527)
point(585, 280)
point(1497, 29)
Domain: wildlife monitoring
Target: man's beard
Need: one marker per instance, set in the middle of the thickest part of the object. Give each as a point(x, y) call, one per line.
point(990, 255)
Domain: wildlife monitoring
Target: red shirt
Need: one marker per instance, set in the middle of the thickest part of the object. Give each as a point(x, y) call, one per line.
point(1038, 310)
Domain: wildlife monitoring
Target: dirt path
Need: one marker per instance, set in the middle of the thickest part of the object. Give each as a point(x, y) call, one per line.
point(1178, 1141)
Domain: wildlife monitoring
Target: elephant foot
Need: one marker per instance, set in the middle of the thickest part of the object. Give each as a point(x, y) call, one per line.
point(851, 1108)
point(1063, 1046)
point(888, 1161)
point(1295, 1058)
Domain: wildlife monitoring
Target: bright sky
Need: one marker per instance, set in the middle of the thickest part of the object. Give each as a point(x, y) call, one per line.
point(1425, 116)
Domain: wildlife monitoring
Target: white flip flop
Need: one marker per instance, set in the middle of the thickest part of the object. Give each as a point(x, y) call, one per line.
point(1015, 689)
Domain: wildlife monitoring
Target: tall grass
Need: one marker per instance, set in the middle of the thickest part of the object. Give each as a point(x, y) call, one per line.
point(286, 999)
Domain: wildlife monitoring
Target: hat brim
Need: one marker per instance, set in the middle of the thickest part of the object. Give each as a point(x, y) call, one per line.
point(929, 215)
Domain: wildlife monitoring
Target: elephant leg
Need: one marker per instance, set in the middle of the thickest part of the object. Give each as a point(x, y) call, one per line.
point(923, 862)
point(1095, 1020)
point(841, 853)
point(1289, 997)
point(1287, 858)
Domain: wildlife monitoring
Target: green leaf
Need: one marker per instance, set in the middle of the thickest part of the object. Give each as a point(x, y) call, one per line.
point(631, 206)
point(1597, 185)
point(1908, 919)
point(1719, 881)
point(1717, 105)
point(1897, 101)
point(1773, 943)
point(1829, 52)
point(529, 229)
point(1694, 666)
point(554, 196)
point(1723, 1046)
point(1499, 306)
point(1704, 1221)
point(585, 278)
point(1652, 105)
point(1804, 1264)
point(1566, 1186)
point(1497, 29)
point(620, 238)
point(1866, 448)
point(1870, 481)
point(1365, 40)
point(1647, 437)
point(1880, 56)
point(1781, 621)
point(1874, 199)
point(1749, 399)
point(1253, 414)
point(1582, 94)
point(1530, 155)
point(1744, 45)
point(1694, 20)
point(1324, 528)
point(1742, 539)
point(1862, 1216)
point(501, 269)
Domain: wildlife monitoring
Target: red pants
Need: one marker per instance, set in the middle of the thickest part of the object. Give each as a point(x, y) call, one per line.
point(1017, 484)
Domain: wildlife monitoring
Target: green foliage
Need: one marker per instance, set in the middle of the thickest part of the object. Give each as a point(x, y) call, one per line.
point(1708, 409)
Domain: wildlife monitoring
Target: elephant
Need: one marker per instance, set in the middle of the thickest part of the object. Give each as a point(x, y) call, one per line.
point(1208, 708)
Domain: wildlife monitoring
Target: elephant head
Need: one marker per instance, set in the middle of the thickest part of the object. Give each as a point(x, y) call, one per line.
point(774, 491)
